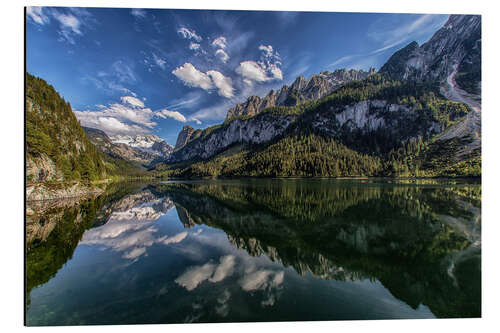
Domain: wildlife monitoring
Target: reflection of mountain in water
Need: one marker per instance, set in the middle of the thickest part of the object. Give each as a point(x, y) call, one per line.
point(54, 228)
point(421, 242)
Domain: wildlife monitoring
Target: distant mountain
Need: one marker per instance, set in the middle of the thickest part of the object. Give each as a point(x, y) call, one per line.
point(301, 90)
point(147, 147)
point(118, 150)
point(411, 119)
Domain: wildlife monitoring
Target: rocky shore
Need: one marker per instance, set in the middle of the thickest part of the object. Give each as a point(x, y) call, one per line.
point(39, 191)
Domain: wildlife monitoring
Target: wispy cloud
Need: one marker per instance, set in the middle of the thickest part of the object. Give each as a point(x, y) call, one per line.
point(138, 13)
point(71, 20)
point(220, 42)
point(222, 55)
point(389, 33)
point(37, 15)
point(194, 46)
point(159, 61)
point(190, 100)
point(189, 34)
point(172, 114)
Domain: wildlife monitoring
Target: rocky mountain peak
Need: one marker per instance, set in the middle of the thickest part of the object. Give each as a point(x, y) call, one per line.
point(453, 49)
point(302, 89)
point(184, 136)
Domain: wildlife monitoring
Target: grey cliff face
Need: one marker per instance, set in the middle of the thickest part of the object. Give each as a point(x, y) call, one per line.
point(251, 131)
point(364, 116)
point(457, 45)
point(184, 136)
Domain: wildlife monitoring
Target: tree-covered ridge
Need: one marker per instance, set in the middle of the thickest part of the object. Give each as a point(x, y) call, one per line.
point(53, 131)
point(419, 96)
point(404, 147)
point(57, 147)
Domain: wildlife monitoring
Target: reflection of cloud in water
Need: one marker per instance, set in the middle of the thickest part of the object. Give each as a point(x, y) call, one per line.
point(175, 239)
point(267, 280)
point(253, 279)
point(223, 309)
point(128, 236)
point(225, 268)
point(261, 279)
point(195, 275)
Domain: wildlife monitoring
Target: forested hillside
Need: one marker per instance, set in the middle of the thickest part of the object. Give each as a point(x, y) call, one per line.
point(57, 148)
point(396, 136)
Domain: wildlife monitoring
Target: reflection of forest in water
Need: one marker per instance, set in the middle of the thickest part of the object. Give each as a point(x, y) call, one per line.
point(422, 242)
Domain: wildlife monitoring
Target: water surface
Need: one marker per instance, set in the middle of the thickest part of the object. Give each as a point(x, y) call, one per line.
point(256, 250)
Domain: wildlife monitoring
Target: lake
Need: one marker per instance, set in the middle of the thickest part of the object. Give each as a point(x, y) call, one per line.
point(256, 250)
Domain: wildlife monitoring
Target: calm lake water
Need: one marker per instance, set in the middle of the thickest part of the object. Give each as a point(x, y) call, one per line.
point(256, 250)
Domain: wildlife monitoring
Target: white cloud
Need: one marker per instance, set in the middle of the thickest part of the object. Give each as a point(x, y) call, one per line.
point(220, 42)
point(194, 46)
point(134, 101)
point(193, 77)
point(267, 69)
point(71, 20)
point(198, 122)
point(172, 114)
point(110, 125)
point(189, 34)
point(251, 70)
point(276, 72)
point(68, 21)
point(37, 15)
point(130, 117)
point(139, 13)
point(268, 50)
point(224, 84)
point(222, 55)
point(69, 26)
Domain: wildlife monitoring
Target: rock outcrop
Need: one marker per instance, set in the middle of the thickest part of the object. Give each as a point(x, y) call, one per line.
point(184, 136)
point(363, 117)
point(318, 86)
point(41, 191)
point(456, 46)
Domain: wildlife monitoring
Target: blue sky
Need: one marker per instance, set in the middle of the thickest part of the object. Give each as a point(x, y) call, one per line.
point(137, 71)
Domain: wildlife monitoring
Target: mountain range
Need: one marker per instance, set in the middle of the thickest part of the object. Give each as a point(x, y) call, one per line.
point(141, 149)
point(418, 116)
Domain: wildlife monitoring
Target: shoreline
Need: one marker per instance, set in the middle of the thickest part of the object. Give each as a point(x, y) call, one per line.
point(44, 192)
